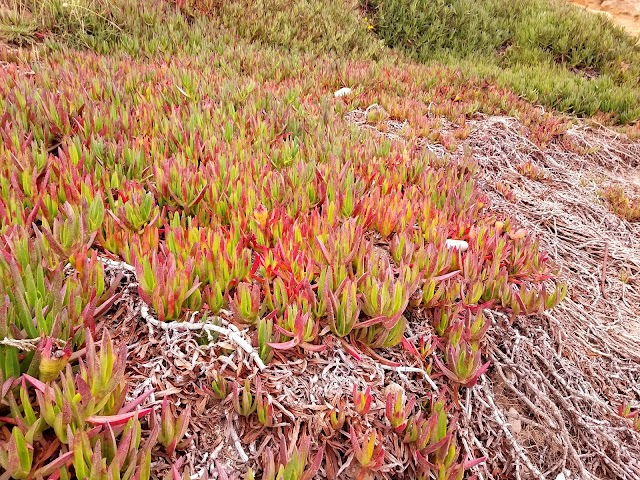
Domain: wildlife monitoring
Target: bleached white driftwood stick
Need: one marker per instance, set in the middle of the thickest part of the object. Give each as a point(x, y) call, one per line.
point(236, 441)
point(234, 336)
point(25, 345)
point(413, 370)
point(117, 264)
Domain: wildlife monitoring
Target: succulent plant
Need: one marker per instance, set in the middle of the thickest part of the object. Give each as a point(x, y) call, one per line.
point(248, 200)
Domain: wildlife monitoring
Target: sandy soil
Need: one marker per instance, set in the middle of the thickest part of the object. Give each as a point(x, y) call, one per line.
point(625, 13)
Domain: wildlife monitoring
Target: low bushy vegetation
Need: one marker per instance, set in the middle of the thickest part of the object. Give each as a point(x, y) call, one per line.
point(226, 193)
point(185, 139)
point(621, 203)
point(104, 26)
point(314, 26)
point(107, 25)
point(548, 51)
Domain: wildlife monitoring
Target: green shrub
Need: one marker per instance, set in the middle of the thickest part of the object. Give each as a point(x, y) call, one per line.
point(556, 87)
point(315, 26)
point(547, 51)
point(17, 26)
point(170, 26)
point(102, 25)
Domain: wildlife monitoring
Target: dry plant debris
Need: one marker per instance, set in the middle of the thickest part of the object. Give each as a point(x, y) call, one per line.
point(550, 403)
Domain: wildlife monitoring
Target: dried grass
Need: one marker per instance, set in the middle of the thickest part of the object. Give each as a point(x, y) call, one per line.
point(565, 372)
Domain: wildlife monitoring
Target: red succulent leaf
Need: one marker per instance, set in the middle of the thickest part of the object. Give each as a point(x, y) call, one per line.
point(313, 348)
point(37, 384)
point(284, 345)
point(119, 419)
point(410, 347)
point(473, 462)
point(477, 375)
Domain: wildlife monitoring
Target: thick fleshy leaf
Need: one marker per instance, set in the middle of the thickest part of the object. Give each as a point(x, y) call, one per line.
point(119, 419)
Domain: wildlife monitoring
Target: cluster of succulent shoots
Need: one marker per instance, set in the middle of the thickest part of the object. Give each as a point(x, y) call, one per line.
point(506, 191)
point(252, 200)
point(63, 407)
point(426, 427)
point(345, 249)
point(76, 422)
point(621, 203)
point(633, 415)
point(532, 171)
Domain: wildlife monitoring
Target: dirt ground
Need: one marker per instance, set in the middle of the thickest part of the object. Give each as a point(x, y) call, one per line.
point(625, 13)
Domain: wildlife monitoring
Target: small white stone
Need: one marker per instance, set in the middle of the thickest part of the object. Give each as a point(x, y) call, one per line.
point(393, 388)
point(457, 244)
point(343, 92)
point(514, 420)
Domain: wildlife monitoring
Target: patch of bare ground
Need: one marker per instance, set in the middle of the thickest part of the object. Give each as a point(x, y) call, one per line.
point(625, 13)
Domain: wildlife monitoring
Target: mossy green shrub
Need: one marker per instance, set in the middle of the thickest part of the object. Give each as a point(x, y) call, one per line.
point(548, 51)
point(317, 26)
point(102, 25)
